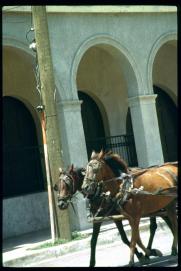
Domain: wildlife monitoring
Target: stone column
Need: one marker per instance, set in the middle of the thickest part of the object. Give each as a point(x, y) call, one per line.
point(74, 139)
point(74, 152)
point(146, 130)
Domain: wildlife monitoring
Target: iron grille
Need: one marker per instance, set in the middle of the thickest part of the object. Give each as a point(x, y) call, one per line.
point(123, 145)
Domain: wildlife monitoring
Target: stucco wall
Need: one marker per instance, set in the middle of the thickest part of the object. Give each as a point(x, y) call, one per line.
point(100, 75)
point(19, 81)
point(25, 214)
point(165, 69)
point(69, 31)
point(108, 55)
point(78, 28)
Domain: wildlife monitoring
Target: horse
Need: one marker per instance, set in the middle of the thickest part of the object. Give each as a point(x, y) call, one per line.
point(69, 183)
point(146, 194)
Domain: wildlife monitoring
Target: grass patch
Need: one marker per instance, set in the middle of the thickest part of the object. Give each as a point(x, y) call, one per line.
point(75, 236)
point(78, 236)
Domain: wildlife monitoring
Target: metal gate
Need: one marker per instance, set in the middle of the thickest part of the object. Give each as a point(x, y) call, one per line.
point(123, 145)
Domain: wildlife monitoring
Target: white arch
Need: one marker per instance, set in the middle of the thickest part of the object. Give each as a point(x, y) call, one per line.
point(9, 41)
point(107, 40)
point(171, 35)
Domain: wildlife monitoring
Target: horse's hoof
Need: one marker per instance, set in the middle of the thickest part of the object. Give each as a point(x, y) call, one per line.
point(92, 264)
point(139, 255)
point(131, 264)
point(156, 253)
point(174, 252)
point(144, 260)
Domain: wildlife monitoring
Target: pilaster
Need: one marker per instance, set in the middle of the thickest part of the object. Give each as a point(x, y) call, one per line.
point(146, 130)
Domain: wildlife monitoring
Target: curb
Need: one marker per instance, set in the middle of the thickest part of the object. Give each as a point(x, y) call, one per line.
point(108, 236)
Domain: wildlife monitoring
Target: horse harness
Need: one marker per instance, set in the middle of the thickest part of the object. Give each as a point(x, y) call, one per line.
point(127, 189)
point(69, 181)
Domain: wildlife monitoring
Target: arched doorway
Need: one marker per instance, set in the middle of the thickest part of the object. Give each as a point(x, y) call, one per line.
point(108, 73)
point(130, 140)
point(21, 157)
point(92, 123)
point(167, 120)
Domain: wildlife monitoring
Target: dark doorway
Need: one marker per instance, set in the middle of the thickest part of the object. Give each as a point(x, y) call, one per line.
point(167, 120)
point(130, 135)
point(92, 122)
point(22, 168)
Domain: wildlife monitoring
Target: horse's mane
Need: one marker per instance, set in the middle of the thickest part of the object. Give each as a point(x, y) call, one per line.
point(115, 161)
point(79, 170)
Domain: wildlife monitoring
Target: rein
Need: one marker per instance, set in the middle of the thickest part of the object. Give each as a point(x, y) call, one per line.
point(119, 178)
point(126, 188)
point(105, 197)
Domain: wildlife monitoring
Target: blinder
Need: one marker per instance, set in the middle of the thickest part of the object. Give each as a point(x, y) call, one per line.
point(91, 184)
point(68, 180)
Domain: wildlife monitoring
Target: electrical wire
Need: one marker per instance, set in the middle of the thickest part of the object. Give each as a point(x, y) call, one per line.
point(31, 28)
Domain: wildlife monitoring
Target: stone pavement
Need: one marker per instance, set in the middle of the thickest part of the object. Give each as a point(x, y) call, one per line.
point(19, 251)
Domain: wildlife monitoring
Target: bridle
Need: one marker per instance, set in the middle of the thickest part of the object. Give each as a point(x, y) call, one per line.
point(98, 185)
point(93, 181)
point(70, 182)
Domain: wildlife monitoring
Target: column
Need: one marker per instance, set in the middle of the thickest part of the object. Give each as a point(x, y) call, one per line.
point(146, 130)
point(74, 146)
point(74, 152)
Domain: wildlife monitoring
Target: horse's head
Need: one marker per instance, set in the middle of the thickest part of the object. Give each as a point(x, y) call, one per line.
point(65, 188)
point(92, 175)
point(101, 168)
point(68, 183)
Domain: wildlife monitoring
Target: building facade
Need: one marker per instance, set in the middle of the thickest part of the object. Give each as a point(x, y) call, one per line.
point(115, 70)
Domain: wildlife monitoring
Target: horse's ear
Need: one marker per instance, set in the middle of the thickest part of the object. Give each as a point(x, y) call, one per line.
point(55, 187)
point(93, 155)
point(83, 171)
point(101, 154)
point(71, 168)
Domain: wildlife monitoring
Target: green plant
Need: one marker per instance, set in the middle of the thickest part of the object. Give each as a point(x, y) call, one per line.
point(78, 236)
point(75, 236)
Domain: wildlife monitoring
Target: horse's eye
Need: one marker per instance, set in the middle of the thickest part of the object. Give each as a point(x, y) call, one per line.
point(92, 165)
point(55, 187)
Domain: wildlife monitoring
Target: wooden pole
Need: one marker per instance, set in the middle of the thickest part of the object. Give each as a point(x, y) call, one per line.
point(99, 219)
point(52, 135)
point(50, 194)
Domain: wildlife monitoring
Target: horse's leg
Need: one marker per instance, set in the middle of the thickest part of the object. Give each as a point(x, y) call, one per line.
point(153, 227)
point(172, 215)
point(140, 244)
point(124, 238)
point(134, 223)
point(169, 224)
point(96, 230)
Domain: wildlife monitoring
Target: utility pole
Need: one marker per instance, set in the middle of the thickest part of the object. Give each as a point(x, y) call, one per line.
point(51, 135)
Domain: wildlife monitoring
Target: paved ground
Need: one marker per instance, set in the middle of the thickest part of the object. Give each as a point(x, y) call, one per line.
point(19, 252)
point(116, 254)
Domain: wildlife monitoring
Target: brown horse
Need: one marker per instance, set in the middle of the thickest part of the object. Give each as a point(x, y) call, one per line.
point(148, 193)
point(70, 182)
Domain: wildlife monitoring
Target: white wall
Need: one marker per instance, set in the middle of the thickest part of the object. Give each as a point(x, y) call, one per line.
point(25, 214)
